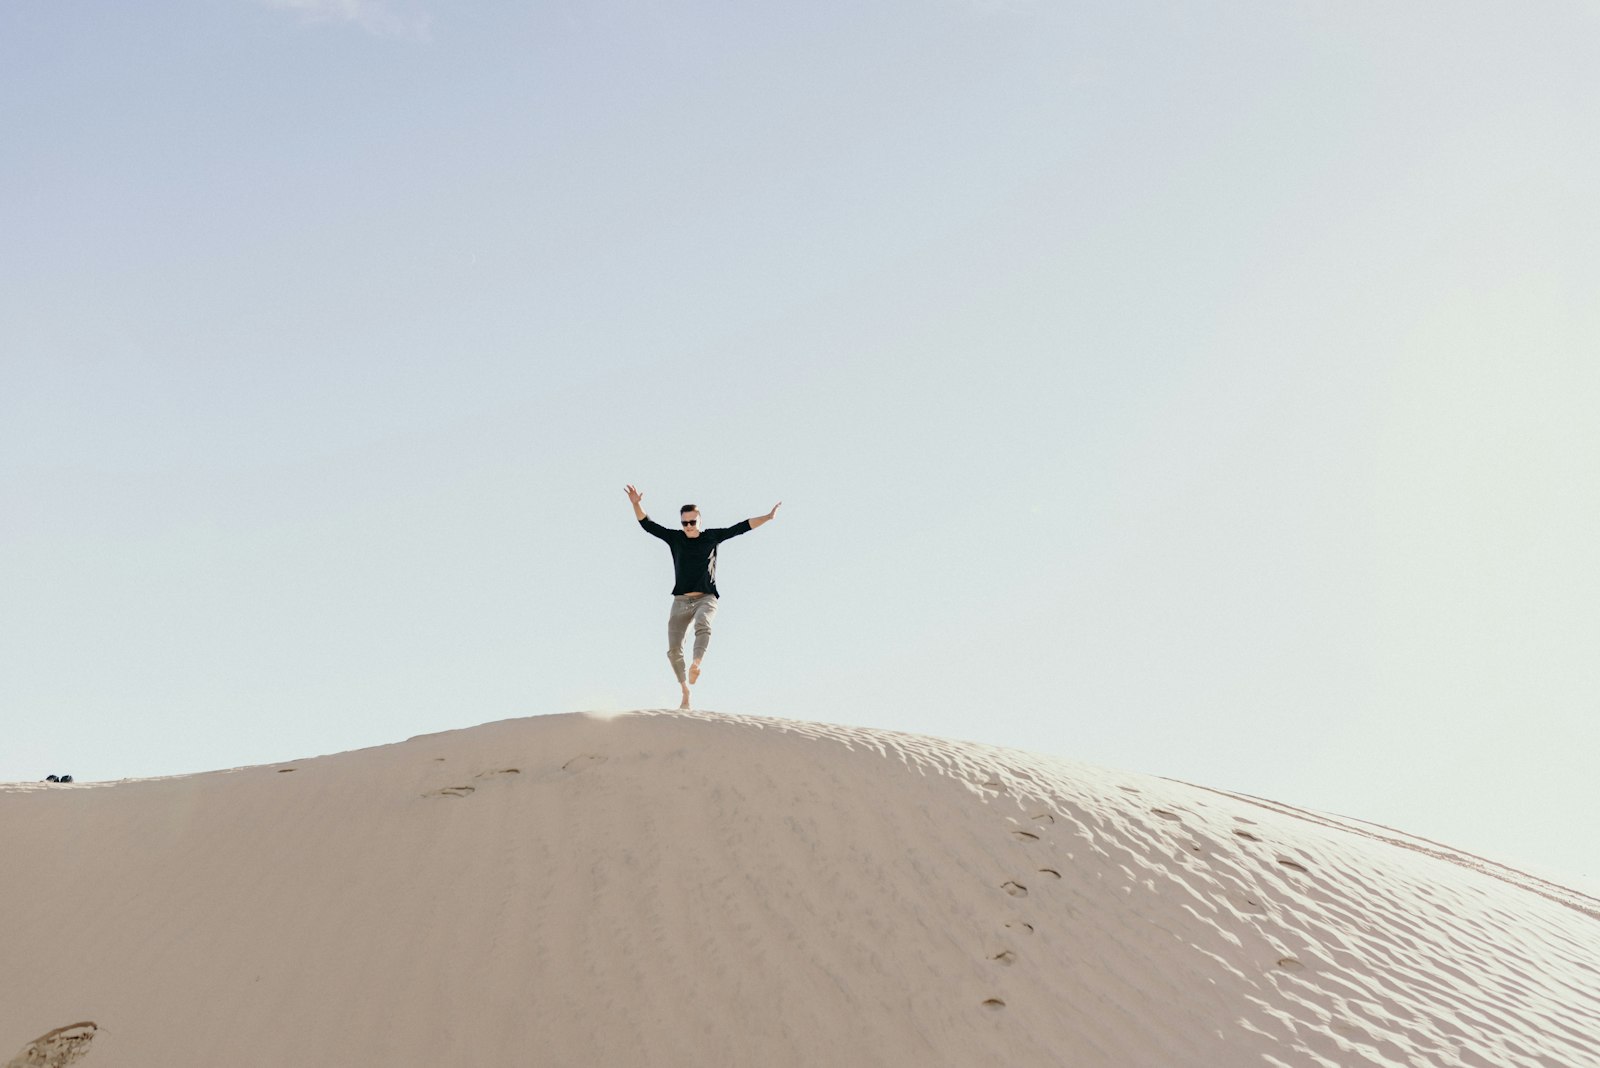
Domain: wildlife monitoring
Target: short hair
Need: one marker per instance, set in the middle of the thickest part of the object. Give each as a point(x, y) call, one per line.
point(689, 508)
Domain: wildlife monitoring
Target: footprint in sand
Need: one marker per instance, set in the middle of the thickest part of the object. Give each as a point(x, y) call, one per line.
point(1245, 903)
point(993, 1004)
point(1164, 814)
point(451, 791)
point(494, 772)
point(583, 760)
point(55, 1049)
point(1026, 836)
point(1014, 888)
point(1005, 956)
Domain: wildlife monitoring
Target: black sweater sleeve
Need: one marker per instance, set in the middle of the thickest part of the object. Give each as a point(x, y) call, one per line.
point(724, 533)
point(652, 527)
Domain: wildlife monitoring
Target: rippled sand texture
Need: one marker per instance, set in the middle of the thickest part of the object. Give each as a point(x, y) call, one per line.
point(688, 888)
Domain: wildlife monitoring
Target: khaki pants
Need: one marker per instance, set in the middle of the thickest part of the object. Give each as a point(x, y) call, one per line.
point(685, 609)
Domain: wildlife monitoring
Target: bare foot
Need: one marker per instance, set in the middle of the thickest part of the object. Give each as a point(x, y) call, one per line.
point(685, 698)
point(694, 672)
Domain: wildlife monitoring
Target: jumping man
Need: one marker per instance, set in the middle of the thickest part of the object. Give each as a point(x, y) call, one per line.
point(694, 591)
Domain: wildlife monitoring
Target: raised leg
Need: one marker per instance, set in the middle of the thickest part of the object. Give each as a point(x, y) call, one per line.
point(677, 627)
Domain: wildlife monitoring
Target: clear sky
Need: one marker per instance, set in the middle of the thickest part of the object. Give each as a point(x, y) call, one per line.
point(1205, 390)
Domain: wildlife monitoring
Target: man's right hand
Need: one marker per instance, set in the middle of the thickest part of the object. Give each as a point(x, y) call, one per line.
point(634, 495)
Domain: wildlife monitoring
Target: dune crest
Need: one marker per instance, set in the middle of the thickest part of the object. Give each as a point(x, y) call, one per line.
point(688, 888)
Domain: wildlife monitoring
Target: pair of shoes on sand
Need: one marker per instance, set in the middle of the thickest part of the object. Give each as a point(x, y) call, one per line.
point(58, 778)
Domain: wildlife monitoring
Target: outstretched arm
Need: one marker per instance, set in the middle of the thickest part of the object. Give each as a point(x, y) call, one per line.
point(758, 520)
point(650, 525)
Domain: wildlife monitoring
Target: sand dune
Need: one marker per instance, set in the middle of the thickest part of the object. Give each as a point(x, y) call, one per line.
point(670, 888)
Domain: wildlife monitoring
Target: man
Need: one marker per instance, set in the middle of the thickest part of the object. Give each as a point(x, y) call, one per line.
point(694, 590)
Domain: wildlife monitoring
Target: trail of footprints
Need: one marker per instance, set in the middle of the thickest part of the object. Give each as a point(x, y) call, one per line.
point(1018, 889)
point(576, 764)
point(466, 789)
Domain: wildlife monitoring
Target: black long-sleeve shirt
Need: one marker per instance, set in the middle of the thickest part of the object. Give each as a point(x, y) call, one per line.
point(694, 560)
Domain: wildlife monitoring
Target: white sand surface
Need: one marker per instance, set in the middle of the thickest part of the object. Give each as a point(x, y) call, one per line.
point(687, 888)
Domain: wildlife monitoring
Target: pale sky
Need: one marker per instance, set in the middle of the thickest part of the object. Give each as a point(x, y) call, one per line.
point(1202, 390)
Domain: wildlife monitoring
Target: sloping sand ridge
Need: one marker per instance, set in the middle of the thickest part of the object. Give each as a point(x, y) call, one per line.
point(685, 888)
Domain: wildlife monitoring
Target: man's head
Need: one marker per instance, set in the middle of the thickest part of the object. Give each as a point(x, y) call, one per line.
point(689, 519)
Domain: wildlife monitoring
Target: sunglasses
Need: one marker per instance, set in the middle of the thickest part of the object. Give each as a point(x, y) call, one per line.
point(691, 522)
